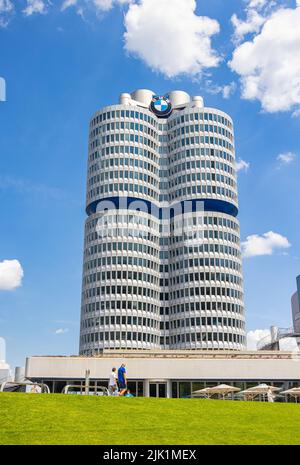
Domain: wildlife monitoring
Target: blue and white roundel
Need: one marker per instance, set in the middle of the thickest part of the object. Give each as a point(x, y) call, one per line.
point(161, 106)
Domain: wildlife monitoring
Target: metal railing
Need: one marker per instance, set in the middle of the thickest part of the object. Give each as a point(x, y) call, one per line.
point(271, 341)
point(44, 387)
point(85, 390)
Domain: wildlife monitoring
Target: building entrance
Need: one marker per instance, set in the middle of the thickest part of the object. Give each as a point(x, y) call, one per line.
point(158, 389)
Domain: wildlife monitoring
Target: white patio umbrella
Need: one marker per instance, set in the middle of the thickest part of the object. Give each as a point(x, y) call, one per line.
point(201, 392)
point(223, 389)
point(262, 388)
point(294, 392)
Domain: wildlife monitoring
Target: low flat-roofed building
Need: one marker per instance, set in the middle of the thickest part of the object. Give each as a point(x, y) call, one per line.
point(169, 373)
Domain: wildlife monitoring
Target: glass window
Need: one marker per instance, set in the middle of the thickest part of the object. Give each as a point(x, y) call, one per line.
point(184, 389)
point(174, 389)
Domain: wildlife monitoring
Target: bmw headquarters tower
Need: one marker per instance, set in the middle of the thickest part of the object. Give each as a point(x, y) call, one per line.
point(162, 261)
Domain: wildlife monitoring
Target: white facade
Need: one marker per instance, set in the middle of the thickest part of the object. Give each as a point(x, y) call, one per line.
point(179, 371)
point(162, 262)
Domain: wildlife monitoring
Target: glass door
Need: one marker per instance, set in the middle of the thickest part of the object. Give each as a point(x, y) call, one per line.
point(162, 390)
point(152, 390)
point(158, 390)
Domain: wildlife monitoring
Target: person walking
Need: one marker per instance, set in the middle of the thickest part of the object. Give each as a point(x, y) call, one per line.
point(122, 379)
point(270, 395)
point(112, 383)
point(128, 393)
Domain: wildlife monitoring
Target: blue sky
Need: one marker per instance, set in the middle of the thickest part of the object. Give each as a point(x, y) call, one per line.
point(60, 66)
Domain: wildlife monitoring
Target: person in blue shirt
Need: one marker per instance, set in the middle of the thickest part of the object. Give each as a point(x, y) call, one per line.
point(122, 379)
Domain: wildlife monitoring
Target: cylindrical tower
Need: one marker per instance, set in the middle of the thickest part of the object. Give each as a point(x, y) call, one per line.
point(162, 265)
point(205, 273)
point(121, 293)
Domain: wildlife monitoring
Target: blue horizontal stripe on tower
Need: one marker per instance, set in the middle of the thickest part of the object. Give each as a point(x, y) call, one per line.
point(131, 203)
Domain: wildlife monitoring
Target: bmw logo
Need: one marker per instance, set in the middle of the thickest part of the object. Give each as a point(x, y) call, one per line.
point(161, 106)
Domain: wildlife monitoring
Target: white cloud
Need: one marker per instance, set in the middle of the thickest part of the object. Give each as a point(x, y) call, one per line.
point(6, 10)
point(256, 12)
point(170, 37)
point(253, 23)
point(61, 330)
point(5, 6)
point(253, 337)
point(4, 366)
point(103, 5)
point(2, 350)
point(286, 158)
point(99, 5)
point(266, 244)
point(296, 113)
point(269, 65)
point(24, 186)
point(67, 4)
point(226, 90)
point(35, 6)
point(11, 274)
point(242, 165)
point(257, 3)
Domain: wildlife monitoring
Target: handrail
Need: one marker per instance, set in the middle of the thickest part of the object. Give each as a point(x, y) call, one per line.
point(282, 333)
point(43, 386)
point(82, 389)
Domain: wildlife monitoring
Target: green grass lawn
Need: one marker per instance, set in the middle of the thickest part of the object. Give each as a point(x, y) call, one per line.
point(61, 419)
